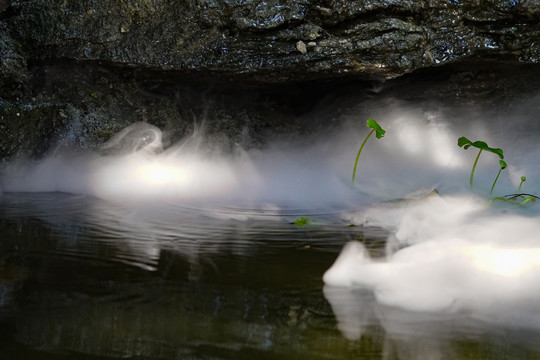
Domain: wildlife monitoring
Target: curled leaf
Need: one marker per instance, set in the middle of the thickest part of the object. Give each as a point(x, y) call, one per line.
point(379, 131)
point(464, 141)
point(503, 164)
point(497, 151)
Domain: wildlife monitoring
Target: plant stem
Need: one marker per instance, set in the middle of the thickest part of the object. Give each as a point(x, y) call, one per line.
point(502, 199)
point(358, 156)
point(474, 167)
point(530, 198)
point(521, 183)
point(515, 196)
point(497, 178)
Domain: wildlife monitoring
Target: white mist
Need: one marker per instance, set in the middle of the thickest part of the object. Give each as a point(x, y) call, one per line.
point(449, 252)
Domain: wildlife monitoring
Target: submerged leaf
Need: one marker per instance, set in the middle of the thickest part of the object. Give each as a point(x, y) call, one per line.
point(379, 131)
point(302, 221)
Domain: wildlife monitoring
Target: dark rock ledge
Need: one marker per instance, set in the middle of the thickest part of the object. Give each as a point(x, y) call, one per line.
point(278, 40)
point(75, 72)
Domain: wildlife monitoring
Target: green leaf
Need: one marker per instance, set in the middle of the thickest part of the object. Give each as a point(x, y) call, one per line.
point(480, 145)
point(497, 151)
point(379, 131)
point(466, 143)
point(301, 221)
point(503, 164)
point(523, 178)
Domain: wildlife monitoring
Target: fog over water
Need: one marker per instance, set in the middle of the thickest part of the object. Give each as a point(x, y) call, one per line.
point(418, 152)
point(448, 252)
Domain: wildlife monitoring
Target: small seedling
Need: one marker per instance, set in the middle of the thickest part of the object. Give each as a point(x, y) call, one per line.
point(503, 166)
point(379, 133)
point(94, 95)
point(523, 179)
point(466, 143)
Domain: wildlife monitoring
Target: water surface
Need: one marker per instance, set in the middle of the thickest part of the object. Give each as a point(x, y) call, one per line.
point(84, 278)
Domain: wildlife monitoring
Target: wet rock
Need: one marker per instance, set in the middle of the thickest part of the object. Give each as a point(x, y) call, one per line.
point(82, 105)
point(13, 66)
point(73, 73)
point(4, 5)
point(371, 39)
point(301, 46)
point(28, 130)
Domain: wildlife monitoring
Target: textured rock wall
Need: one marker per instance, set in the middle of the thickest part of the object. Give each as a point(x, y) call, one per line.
point(75, 72)
point(280, 39)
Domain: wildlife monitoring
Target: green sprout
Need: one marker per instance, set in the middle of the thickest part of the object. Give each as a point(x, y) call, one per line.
point(379, 133)
point(466, 143)
point(523, 179)
point(94, 95)
point(519, 198)
point(503, 166)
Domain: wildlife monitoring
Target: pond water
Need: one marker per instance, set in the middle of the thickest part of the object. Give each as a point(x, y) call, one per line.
point(143, 250)
point(85, 278)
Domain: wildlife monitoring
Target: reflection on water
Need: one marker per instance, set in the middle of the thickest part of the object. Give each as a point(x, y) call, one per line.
point(416, 335)
point(82, 278)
